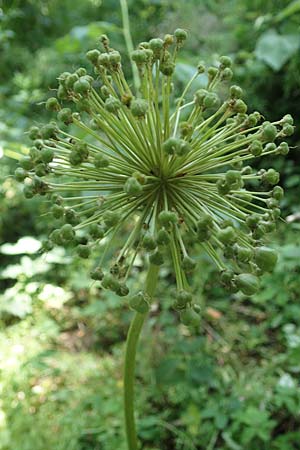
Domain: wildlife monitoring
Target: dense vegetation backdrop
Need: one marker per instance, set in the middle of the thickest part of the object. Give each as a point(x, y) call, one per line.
point(234, 386)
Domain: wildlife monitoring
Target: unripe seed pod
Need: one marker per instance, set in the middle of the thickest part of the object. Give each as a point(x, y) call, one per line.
point(183, 299)
point(244, 254)
point(256, 148)
point(288, 119)
point(190, 318)
point(97, 274)
point(139, 302)
point(271, 176)
point(96, 231)
point(240, 107)
point(65, 115)
point(223, 187)
point(212, 73)
point(269, 132)
point(52, 104)
point(200, 96)
point(167, 68)
point(112, 104)
point(265, 258)
point(225, 61)
point(188, 264)
point(288, 130)
point(149, 242)
point(156, 45)
point(81, 72)
point(92, 55)
point(28, 192)
point(183, 149)
point(57, 211)
point(111, 218)
point(83, 251)
point(56, 237)
point(171, 145)
point(71, 216)
point(82, 86)
point(114, 58)
point(100, 161)
point(211, 100)
point(49, 131)
point(168, 39)
point(62, 92)
point(47, 155)
point(234, 179)
point(139, 57)
point(67, 232)
point(20, 174)
point(163, 237)
point(236, 92)
point(122, 290)
point(247, 283)
point(156, 258)
point(110, 282)
point(26, 163)
point(227, 235)
point(278, 193)
point(167, 218)
point(132, 187)
point(252, 221)
point(71, 80)
point(226, 74)
point(180, 34)
point(34, 133)
point(283, 149)
point(139, 107)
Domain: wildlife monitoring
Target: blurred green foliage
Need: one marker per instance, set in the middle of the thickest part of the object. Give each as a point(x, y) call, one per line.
point(233, 387)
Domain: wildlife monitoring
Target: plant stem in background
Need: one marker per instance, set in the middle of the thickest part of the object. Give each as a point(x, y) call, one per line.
point(128, 41)
point(130, 354)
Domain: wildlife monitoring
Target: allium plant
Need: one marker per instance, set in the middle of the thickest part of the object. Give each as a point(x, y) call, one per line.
point(174, 171)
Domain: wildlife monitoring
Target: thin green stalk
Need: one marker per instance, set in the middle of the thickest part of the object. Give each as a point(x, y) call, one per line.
point(130, 354)
point(128, 40)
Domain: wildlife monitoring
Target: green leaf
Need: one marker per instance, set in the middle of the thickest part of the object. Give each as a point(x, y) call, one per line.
point(275, 49)
point(289, 10)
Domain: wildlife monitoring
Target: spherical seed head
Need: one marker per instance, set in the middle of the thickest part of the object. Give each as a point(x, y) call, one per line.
point(166, 179)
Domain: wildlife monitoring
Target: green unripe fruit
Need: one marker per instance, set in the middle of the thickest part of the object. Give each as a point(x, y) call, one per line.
point(47, 155)
point(188, 264)
point(288, 130)
point(252, 221)
point(236, 92)
point(75, 158)
point(183, 149)
point(56, 237)
point(227, 235)
point(20, 174)
point(112, 104)
point(52, 104)
point(111, 218)
point(247, 283)
point(234, 179)
point(167, 218)
point(122, 290)
point(240, 107)
point(26, 163)
point(92, 55)
point(163, 237)
point(278, 193)
point(41, 170)
point(97, 274)
point(283, 149)
point(223, 187)
point(28, 192)
point(49, 131)
point(149, 242)
point(271, 176)
point(225, 61)
point(171, 145)
point(139, 303)
point(47, 246)
point(269, 132)
point(96, 231)
point(101, 162)
point(83, 251)
point(139, 107)
point(70, 80)
point(212, 73)
point(183, 299)
point(82, 86)
point(156, 258)
point(265, 258)
point(103, 59)
point(62, 92)
point(114, 58)
point(226, 74)
point(71, 216)
point(200, 96)
point(256, 148)
point(190, 318)
point(57, 211)
point(167, 68)
point(227, 277)
point(288, 119)
point(244, 254)
point(211, 100)
point(139, 56)
point(132, 187)
point(67, 232)
point(156, 45)
point(34, 133)
point(65, 115)
point(110, 282)
point(180, 34)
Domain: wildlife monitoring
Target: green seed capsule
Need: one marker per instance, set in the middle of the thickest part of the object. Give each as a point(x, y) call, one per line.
point(112, 104)
point(247, 283)
point(269, 132)
point(101, 162)
point(28, 192)
point(26, 163)
point(244, 254)
point(56, 237)
point(139, 303)
point(240, 107)
point(288, 130)
point(183, 299)
point(163, 237)
point(265, 258)
point(47, 155)
point(188, 264)
point(92, 55)
point(52, 104)
point(225, 61)
point(49, 131)
point(111, 218)
point(132, 187)
point(278, 193)
point(236, 92)
point(57, 211)
point(65, 115)
point(96, 231)
point(180, 34)
point(82, 86)
point(34, 133)
point(167, 218)
point(97, 274)
point(83, 251)
point(271, 176)
point(227, 236)
point(110, 282)
point(171, 145)
point(149, 242)
point(67, 232)
point(122, 290)
point(139, 56)
point(20, 174)
point(256, 148)
point(190, 318)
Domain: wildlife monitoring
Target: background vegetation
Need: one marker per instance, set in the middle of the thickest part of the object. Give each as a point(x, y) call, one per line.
point(233, 386)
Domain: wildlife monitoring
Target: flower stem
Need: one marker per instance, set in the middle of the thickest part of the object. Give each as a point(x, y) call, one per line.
point(130, 354)
point(128, 40)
